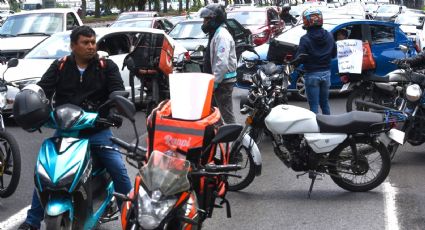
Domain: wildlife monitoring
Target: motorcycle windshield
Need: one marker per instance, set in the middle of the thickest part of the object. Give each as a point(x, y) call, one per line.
point(167, 174)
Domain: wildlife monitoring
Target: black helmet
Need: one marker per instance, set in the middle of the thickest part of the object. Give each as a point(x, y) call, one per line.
point(31, 108)
point(215, 12)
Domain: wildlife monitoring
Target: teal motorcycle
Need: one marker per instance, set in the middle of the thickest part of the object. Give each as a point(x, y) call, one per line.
point(74, 190)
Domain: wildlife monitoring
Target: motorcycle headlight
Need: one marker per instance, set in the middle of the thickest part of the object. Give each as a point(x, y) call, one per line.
point(153, 209)
point(42, 172)
point(413, 92)
point(3, 101)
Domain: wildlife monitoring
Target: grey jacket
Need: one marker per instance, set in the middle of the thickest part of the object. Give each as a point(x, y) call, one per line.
point(223, 56)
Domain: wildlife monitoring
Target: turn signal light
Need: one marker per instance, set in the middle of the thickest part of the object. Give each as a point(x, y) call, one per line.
point(344, 79)
point(248, 120)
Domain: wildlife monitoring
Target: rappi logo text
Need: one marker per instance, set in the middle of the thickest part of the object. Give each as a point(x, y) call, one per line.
point(170, 141)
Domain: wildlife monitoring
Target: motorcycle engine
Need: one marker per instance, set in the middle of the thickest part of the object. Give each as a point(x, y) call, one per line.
point(292, 152)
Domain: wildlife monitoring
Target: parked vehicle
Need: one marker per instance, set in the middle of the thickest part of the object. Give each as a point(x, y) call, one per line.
point(347, 147)
point(137, 14)
point(22, 31)
point(10, 158)
point(190, 35)
point(74, 188)
point(384, 39)
point(388, 12)
point(176, 189)
point(113, 43)
point(263, 22)
point(159, 23)
point(408, 24)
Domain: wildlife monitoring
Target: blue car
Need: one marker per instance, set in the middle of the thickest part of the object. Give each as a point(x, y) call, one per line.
point(384, 37)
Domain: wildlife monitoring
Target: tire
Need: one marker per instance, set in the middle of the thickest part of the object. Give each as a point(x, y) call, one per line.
point(300, 93)
point(9, 148)
point(358, 93)
point(60, 222)
point(247, 172)
point(341, 160)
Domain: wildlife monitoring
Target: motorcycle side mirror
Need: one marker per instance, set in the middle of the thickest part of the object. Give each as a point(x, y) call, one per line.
point(227, 133)
point(11, 63)
point(124, 107)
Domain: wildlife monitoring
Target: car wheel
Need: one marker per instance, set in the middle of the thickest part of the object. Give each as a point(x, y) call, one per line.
point(300, 93)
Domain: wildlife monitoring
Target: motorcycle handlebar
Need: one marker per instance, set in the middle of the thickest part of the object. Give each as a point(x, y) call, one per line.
point(131, 148)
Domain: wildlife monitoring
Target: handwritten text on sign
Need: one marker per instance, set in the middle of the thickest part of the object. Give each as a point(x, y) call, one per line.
point(350, 55)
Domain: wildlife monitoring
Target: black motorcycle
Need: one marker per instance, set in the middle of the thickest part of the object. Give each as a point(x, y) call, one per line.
point(10, 159)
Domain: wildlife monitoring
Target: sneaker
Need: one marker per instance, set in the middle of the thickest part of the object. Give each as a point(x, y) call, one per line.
point(26, 226)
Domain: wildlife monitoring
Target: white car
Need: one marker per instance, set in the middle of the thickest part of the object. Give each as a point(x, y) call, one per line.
point(20, 32)
point(115, 43)
point(408, 23)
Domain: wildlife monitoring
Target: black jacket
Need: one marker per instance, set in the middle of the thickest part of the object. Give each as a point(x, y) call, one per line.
point(320, 46)
point(87, 91)
point(416, 61)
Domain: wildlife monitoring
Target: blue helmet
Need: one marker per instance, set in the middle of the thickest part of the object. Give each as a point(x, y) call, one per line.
point(312, 17)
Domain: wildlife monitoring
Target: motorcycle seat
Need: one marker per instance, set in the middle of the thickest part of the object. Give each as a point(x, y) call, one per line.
point(350, 123)
point(376, 78)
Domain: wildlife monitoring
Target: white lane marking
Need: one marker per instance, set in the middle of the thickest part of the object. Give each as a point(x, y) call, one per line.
point(15, 220)
point(390, 207)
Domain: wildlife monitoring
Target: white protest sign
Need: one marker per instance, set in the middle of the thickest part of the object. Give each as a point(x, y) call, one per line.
point(350, 55)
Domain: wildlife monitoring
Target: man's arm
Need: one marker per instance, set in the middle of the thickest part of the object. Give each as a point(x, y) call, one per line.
point(49, 79)
point(113, 76)
point(222, 53)
point(416, 61)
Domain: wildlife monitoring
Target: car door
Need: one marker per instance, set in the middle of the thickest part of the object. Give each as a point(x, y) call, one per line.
point(385, 40)
point(239, 33)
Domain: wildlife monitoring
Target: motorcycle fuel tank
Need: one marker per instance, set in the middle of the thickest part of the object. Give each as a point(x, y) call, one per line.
point(289, 119)
point(397, 75)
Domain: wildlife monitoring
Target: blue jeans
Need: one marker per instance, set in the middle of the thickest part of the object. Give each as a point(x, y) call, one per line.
point(110, 159)
point(317, 88)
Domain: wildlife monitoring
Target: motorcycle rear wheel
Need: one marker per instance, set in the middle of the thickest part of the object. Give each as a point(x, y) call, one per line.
point(359, 175)
point(357, 94)
point(10, 164)
point(60, 222)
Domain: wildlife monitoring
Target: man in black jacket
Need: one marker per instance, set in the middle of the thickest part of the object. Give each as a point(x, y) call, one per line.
point(286, 16)
point(319, 47)
point(84, 79)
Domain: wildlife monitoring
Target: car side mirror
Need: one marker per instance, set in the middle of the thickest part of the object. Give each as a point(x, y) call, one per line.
point(403, 48)
point(419, 27)
point(200, 48)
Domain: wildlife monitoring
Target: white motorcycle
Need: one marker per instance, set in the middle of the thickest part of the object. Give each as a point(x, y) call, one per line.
point(348, 147)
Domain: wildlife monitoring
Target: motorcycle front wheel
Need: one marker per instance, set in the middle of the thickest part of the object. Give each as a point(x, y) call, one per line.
point(10, 164)
point(60, 222)
point(242, 157)
point(362, 173)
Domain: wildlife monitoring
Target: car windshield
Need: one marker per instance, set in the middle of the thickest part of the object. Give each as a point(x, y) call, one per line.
point(188, 30)
point(388, 9)
point(249, 17)
point(133, 23)
point(42, 23)
point(410, 20)
point(54, 47)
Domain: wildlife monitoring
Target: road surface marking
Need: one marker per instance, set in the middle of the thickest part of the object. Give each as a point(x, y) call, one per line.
point(390, 207)
point(15, 220)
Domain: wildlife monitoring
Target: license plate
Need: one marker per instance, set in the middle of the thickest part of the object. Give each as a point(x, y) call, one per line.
point(396, 135)
point(345, 87)
point(247, 77)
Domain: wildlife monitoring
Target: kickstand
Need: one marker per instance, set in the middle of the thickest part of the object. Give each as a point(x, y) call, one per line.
point(312, 176)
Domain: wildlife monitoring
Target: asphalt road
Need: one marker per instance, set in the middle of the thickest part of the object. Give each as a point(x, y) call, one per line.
point(276, 199)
